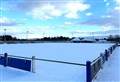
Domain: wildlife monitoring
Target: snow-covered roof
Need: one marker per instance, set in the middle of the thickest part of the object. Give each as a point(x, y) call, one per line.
point(102, 41)
point(75, 39)
point(88, 39)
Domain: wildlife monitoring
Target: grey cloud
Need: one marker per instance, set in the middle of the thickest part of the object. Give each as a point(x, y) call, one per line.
point(108, 32)
point(40, 9)
point(105, 21)
point(28, 5)
point(11, 23)
point(24, 5)
point(114, 31)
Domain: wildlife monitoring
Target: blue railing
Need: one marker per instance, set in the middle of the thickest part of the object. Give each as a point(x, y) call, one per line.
point(92, 68)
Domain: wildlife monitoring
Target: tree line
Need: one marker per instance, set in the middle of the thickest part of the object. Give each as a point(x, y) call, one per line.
point(10, 38)
point(7, 38)
point(112, 38)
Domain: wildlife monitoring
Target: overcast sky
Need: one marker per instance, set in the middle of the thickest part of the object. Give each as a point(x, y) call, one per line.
point(59, 17)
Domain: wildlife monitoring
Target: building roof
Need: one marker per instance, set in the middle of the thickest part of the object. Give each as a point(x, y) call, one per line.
point(102, 41)
point(88, 39)
point(75, 39)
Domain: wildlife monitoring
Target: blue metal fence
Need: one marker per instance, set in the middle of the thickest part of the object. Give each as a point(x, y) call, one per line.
point(23, 64)
point(103, 58)
point(92, 68)
point(19, 63)
point(2, 59)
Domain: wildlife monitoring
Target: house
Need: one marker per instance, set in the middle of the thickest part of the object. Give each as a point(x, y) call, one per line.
point(89, 40)
point(102, 41)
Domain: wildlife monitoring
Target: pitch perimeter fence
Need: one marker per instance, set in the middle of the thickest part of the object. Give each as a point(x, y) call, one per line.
point(28, 64)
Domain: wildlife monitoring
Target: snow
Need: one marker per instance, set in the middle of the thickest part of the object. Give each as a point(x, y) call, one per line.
point(57, 51)
point(48, 71)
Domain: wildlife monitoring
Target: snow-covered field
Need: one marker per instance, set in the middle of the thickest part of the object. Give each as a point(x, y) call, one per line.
point(48, 71)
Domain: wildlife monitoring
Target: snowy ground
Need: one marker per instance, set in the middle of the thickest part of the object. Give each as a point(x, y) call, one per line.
point(46, 71)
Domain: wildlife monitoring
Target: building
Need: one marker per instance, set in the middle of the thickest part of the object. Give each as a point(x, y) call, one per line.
point(88, 40)
point(102, 41)
point(76, 40)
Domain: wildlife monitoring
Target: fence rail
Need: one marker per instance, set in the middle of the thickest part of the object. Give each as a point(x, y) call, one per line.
point(63, 62)
point(96, 59)
point(17, 56)
point(56, 61)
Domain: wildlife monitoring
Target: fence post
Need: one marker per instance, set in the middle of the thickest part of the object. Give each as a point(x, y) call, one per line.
point(33, 64)
point(88, 71)
point(101, 55)
point(106, 55)
point(5, 59)
point(110, 50)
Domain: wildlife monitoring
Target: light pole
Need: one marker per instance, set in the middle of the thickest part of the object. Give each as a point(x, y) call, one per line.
point(5, 35)
point(43, 35)
point(93, 35)
point(72, 35)
point(26, 35)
